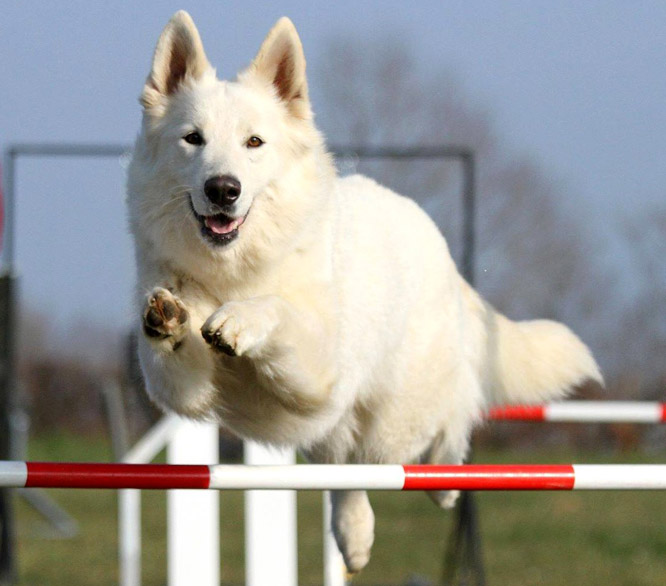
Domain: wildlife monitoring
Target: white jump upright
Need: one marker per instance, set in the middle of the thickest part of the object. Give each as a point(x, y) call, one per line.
point(129, 500)
point(193, 515)
point(334, 565)
point(271, 551)
point(129, 537)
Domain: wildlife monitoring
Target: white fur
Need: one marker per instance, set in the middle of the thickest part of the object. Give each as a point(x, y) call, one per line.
point(356, 339)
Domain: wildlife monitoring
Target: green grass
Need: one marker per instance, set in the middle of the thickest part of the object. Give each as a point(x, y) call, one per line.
point(550, 539)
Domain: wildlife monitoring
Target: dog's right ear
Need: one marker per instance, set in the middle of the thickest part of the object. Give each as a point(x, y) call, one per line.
point(281, 63)
point(179, 56)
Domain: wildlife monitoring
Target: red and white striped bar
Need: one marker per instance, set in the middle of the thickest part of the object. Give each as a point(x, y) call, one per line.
point(335, 477)
point(584, 411)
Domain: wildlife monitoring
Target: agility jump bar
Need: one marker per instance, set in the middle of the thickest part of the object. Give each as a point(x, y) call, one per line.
point(334, 477)
point(584, 411)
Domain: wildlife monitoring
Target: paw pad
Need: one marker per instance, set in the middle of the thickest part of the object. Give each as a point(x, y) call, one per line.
point(163, 315)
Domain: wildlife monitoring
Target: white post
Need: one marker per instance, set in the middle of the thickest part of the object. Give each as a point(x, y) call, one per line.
point(271, 555)
point(334, 565)
point(129, 501)
point(129, 538)
point(193, 515)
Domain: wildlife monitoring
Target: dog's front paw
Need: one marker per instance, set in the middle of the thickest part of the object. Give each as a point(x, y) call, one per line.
point(241, 327)
point(164, 316)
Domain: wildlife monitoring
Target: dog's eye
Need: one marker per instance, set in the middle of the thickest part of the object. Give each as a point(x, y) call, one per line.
point(254, 142)
point(194, 138)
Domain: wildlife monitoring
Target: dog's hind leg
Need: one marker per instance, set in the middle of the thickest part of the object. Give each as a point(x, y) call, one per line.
point(353, 524)
point(446, 450)
point(451, 444)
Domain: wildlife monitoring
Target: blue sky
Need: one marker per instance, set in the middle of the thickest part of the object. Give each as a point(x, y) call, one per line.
point(579, 86)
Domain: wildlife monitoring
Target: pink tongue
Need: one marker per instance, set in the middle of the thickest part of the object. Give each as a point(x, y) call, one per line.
point(218, 225)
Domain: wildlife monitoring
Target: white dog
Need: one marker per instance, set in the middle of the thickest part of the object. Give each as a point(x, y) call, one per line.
point(298, 308)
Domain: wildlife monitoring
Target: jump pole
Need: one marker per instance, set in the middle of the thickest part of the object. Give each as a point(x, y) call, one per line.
point(335, 477)
point(583, 412)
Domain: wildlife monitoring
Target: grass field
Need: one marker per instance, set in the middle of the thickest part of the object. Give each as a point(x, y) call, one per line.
point(550, 539)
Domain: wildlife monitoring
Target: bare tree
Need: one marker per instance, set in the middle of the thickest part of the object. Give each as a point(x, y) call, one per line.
point(640, 341)
point(533, 259)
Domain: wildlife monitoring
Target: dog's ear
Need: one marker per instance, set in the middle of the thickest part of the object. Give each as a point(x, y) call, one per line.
point(281, 62)
point(179, 55)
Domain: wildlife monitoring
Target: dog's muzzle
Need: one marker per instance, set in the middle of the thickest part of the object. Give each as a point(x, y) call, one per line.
point(218, 229)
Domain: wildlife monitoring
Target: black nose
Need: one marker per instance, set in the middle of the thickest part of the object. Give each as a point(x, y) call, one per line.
point(222, 190)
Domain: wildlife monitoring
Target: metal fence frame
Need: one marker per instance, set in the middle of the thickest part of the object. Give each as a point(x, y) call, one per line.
point(21, 150)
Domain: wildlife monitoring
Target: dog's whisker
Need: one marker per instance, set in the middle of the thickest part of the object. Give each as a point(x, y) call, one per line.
point(175, 198)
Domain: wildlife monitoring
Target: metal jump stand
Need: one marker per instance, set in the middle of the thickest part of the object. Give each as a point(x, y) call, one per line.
point(10, 414)
point(463, 561)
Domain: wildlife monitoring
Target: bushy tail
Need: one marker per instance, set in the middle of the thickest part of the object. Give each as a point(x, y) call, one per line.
point(536, 361)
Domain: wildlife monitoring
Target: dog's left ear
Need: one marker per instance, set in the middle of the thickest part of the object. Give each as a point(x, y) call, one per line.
point(281, 62)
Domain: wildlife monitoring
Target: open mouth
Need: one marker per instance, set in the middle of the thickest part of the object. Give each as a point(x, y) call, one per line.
point(218, 229)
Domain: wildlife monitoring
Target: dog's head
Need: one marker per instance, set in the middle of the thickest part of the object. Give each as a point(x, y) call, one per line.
point(213, 151)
